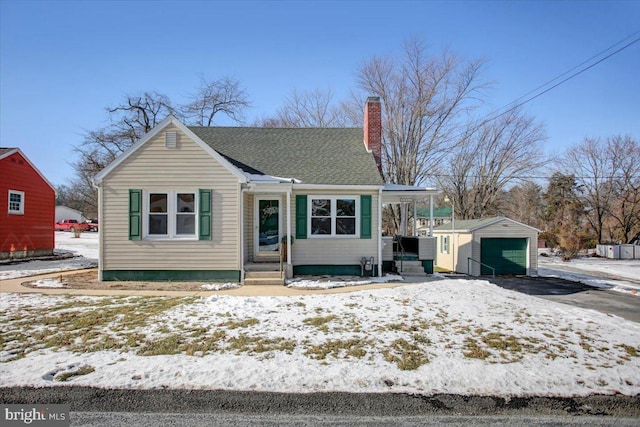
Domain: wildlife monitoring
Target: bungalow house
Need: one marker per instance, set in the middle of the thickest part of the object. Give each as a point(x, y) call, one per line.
point(27, 203)
point(441, 215)
point(216, 203)
point(487, 246)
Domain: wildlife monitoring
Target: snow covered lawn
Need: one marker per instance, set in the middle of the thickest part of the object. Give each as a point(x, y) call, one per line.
point(447, 336)
point(83, 252)
point(614, 274)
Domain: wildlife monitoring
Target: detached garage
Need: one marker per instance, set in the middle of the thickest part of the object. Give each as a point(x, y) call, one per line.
point(483, 246)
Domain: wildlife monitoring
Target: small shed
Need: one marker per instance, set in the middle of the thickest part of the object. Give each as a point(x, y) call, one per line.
point(27, 201)
point(484, 246)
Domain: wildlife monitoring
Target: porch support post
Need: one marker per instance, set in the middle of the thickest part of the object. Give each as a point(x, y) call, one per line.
point(241, 226)
point(289, 227)
point(380, 233)
point(415, 220)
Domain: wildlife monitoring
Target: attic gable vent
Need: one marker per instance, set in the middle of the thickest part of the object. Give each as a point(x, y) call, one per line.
point(171, 139)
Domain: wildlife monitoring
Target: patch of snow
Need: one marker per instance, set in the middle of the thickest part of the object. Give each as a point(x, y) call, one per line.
point(338, 282)
point(48, 283)
point(220, 286)
point(86, 245)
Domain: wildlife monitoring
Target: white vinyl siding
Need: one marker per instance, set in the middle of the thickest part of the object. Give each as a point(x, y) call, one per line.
point(335, 250)
point(153, 167)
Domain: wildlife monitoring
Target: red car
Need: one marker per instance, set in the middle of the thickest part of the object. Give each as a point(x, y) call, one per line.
point(92, 225)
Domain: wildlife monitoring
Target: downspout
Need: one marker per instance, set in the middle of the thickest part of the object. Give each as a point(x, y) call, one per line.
point(380, 232)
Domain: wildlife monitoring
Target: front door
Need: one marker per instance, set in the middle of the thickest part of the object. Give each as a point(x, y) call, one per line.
point(267, 226)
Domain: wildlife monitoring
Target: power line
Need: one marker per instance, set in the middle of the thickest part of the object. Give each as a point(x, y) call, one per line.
point(491, 117)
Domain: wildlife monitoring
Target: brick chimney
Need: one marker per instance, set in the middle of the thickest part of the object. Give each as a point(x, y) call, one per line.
point(373, 128)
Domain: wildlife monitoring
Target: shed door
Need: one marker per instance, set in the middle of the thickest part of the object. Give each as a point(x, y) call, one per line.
point(507, 256)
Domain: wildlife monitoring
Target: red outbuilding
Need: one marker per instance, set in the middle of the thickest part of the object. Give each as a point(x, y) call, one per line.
point(27, 208)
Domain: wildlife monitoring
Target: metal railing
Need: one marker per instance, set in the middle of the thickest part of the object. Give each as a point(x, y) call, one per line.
point(281, 257)
point(401, 249)
point(493, 270)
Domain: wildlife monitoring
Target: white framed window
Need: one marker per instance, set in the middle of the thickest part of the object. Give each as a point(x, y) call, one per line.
point(170, 214)
point(444, 244)
point(334, 216)
point(16, 202)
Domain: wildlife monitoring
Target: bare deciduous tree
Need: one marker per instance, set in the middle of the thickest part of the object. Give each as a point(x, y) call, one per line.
point(488, 159)
point(128, 121)
point(608, 172)
point(137, 115)
point(315, 108)
point(225, 95)
point(590, 164)
point(625, 208)
point(426, 100)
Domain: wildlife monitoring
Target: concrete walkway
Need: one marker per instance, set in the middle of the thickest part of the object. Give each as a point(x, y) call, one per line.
point(15, 285)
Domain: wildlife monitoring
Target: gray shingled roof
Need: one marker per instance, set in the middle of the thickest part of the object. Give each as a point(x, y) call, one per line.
point(468, 225)
point(335, 156)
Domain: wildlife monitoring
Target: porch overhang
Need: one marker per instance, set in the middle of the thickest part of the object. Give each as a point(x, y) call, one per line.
point(405, 195)
point(396, 193)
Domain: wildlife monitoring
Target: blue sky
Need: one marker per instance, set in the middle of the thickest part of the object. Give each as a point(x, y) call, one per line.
point(63, 62)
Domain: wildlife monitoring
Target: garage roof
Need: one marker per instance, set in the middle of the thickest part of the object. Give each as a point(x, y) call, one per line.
point(470, 225)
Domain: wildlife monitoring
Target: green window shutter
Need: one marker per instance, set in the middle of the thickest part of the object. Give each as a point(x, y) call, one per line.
point(365, 217)
point(204, 216)
point(301, 217)
point(135, 214)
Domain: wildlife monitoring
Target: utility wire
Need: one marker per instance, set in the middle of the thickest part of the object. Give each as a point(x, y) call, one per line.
point(570, 70)
point(491, 116)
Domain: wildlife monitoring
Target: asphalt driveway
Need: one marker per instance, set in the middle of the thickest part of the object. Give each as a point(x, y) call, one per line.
point(574, 293)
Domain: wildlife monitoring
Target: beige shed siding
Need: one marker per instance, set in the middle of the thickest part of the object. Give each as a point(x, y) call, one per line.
point(459, 246)
point(335, 251)
point(154, 167)
point(463, 251)
point(508, 229)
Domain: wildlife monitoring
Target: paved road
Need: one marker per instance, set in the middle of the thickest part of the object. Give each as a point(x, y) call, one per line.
point(99, 419)
point(574, 293)
point(119, 404)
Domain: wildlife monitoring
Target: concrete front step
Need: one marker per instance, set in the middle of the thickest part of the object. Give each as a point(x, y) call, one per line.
point(263, 281)
point(413, 268)
point(263, 278)
point(262, 266)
